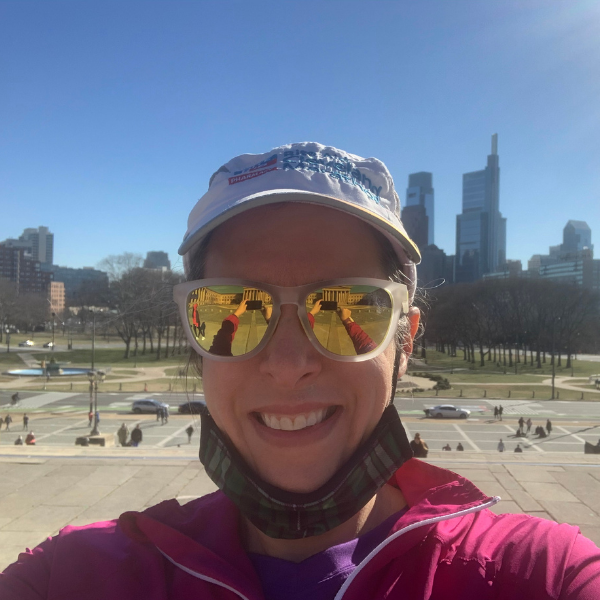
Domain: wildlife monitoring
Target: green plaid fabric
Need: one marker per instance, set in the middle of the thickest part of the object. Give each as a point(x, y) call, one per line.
point(288, 515)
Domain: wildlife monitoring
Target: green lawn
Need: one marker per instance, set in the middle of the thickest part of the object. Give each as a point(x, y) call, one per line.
point(437, 360)
point(103, 357)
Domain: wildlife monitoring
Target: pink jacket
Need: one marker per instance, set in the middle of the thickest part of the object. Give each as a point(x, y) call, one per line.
point(448, 546)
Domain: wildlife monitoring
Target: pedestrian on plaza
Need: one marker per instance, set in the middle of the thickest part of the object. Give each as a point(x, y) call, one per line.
point(419, 447)
point(549, 426)
point(166, 414)
point(521, 426)
point(460, 447)
point(97, 417)
point(540, 431)
point(8, 420)
point(30, 439)
point(189, 431)
point(122, 434)
point(518, 448)
point(1, 422)
point(91, 418)
point(529, 425)
point(500, 411)
point(19, 441)
point(495, 412)
point(500, 446)
point(25, 422)
point(318, 489)
point(136, 436)
point(159, 416)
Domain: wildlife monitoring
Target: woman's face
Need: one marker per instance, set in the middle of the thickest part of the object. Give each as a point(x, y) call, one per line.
point(291, 245)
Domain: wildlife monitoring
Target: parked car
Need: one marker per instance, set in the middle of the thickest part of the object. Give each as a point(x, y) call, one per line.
point(26, 343)
point(192, 407)
point(447, 411)
point(148, 405)
point(49, 345)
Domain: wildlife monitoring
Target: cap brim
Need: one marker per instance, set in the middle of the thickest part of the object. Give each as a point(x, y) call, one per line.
point(395, 235)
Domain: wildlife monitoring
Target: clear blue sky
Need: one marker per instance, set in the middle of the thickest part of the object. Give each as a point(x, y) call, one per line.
point(113, 115)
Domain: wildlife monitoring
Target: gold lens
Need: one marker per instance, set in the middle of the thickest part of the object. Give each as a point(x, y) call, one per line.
point(229, 320)
point(350, 319)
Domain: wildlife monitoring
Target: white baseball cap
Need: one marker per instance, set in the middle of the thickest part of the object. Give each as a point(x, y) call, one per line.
point(304, 172)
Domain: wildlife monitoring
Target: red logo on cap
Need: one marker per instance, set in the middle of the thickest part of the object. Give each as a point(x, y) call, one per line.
point(251, 175)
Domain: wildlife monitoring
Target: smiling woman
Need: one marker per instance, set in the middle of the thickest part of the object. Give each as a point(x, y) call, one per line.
point(298, 308)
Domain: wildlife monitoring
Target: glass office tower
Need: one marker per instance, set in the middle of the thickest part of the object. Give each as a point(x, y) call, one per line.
point(481, 229)
point(420, 193)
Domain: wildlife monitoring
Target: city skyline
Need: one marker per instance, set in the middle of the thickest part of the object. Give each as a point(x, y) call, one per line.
point(114, 123)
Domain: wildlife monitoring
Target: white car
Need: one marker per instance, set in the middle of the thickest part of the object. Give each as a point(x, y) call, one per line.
point(26, 343)
point(149, 405)
point(447, 411)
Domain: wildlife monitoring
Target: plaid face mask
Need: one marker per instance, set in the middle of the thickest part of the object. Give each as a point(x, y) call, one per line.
point(288, 515)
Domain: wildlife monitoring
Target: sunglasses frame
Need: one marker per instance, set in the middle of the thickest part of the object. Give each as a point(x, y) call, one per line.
point(293, 295)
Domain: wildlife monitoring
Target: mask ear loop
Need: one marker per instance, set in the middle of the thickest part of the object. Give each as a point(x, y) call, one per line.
point(397, 359)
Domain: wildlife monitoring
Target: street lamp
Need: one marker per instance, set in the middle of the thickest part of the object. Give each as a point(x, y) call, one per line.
point(95, 377)
point(93, 337)
point(53, 315)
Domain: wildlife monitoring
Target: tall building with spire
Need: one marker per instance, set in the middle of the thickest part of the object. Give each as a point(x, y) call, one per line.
point(420, 193)
point(481, 229)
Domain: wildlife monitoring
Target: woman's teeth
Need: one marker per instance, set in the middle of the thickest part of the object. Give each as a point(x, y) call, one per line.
point(297, 422)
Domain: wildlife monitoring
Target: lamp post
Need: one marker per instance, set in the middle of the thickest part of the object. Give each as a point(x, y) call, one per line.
point(95, 377)
point(553, 358)
point(53, 315)
point(93, 337)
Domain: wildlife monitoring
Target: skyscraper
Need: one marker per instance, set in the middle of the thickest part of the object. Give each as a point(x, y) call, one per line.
point(420, 193)
point(577, 235)
point(39, 243)
point(481, 229)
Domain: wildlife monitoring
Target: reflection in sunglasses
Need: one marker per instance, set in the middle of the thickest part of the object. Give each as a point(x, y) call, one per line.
point(346, 320)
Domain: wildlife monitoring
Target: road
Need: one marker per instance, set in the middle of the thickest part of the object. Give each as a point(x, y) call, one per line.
point(57, 418)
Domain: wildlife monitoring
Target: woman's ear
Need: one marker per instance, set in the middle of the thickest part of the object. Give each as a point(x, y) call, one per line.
point(414, 316)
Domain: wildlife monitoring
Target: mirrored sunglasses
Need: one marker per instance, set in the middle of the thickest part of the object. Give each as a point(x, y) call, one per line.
point(352, 319)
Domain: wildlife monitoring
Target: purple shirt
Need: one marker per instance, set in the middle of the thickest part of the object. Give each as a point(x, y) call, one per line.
point(320, 576)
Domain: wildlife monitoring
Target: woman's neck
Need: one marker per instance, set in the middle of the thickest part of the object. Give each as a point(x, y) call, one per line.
point(385, 503)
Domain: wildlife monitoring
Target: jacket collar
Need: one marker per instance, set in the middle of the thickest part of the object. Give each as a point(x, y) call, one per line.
point(203, 535)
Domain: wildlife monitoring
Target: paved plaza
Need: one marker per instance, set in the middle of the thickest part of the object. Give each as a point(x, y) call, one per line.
point(56, 483)
point(41, 494)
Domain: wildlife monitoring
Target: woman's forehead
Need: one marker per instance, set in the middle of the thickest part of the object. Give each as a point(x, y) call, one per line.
point(294, 242)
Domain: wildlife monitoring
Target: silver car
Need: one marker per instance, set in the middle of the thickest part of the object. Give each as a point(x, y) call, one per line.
point(148, 405)
point(447, 411)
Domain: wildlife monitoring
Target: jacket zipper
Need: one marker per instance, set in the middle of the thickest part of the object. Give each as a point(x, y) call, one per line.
point(204, 577)
point(398, 533)
point(358, 569)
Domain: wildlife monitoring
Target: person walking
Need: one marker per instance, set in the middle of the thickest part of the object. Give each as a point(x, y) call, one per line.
point(549, 426)
point(419, 447)
point(500, 411)
point(91, 418)
point(529, 425)
point(166, 414)
point(122, 434)
point(521, 426)
point(159, 414)
point(8, 420)
point(189, 431)
point(25, 422)
point(97, 417)
point(500, 446)
point(495, 412)
point(1, 422)
point(136, 436)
